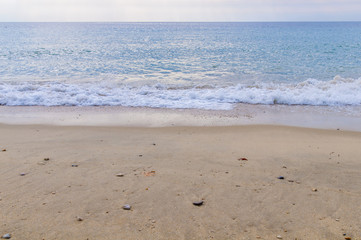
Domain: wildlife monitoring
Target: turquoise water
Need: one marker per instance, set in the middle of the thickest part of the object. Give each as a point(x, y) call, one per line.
point(180, 65)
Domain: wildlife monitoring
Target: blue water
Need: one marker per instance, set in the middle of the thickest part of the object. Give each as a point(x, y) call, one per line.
point(180, 65)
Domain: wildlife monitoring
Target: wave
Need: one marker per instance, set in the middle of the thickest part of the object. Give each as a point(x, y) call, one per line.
point(336, 92)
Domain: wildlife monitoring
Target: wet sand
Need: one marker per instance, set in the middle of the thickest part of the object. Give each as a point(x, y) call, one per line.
point(166, 169)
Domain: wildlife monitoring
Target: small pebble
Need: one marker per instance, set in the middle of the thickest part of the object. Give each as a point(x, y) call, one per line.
point(279, 237)
point(6, 236)
point(291, 180)
point(281, 177)
point(337, 219)
point(314, 189)
point(46, 159)
point(22, 174)
point(198, 203)
point(127, 207)
point(79, 219)
point(120, 175)
point(348, 238)
point(4, 150)
point(74, 165)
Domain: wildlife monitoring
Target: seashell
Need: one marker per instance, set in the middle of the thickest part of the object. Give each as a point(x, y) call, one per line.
point(127, 207)
point(6, 236)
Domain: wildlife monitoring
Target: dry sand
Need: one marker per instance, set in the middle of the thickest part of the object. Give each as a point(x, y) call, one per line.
point(166, 169)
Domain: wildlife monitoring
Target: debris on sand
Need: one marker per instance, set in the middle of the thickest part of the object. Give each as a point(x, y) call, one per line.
point(148, 174)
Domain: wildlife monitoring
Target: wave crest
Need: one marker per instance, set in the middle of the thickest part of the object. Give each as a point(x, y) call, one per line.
point(336, 92)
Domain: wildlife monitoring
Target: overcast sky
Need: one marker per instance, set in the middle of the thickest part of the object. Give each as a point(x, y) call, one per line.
point(179, 10)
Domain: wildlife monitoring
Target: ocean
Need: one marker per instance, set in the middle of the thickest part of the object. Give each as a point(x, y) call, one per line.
point(180, 65)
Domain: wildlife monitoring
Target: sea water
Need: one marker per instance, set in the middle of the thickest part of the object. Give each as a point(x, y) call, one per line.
point(180, 65)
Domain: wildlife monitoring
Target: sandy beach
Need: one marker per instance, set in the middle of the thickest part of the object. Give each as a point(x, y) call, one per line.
point(60, 182)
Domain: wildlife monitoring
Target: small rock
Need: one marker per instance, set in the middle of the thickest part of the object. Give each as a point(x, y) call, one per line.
point(46, 159)
point(242, 159)
point(337, 219)
point(279, 237)
point(291, 180)
point(347, 238)
point(281, 177)
point(79, 219)
point(198, 203)
point(4, 150)
point(6, 236)
point(22, 174)
point(314, 189)
point(238, 185)
point(120, 175)
point(74, 165)
point(284, 167)
point(127, 207)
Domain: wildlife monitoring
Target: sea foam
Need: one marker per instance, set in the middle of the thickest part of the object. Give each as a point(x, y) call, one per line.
point(336, 92)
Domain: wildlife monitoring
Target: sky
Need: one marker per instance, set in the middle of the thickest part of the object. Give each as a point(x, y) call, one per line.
point(178, 10)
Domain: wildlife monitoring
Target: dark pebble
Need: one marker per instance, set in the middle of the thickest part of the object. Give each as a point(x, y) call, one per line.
point(281, 177)
point(198, 203)
point(74, 165)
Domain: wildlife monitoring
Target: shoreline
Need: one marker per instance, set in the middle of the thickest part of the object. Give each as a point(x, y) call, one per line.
point(318, 117)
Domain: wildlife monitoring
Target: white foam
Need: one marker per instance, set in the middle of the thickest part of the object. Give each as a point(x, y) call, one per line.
point(336, 92)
